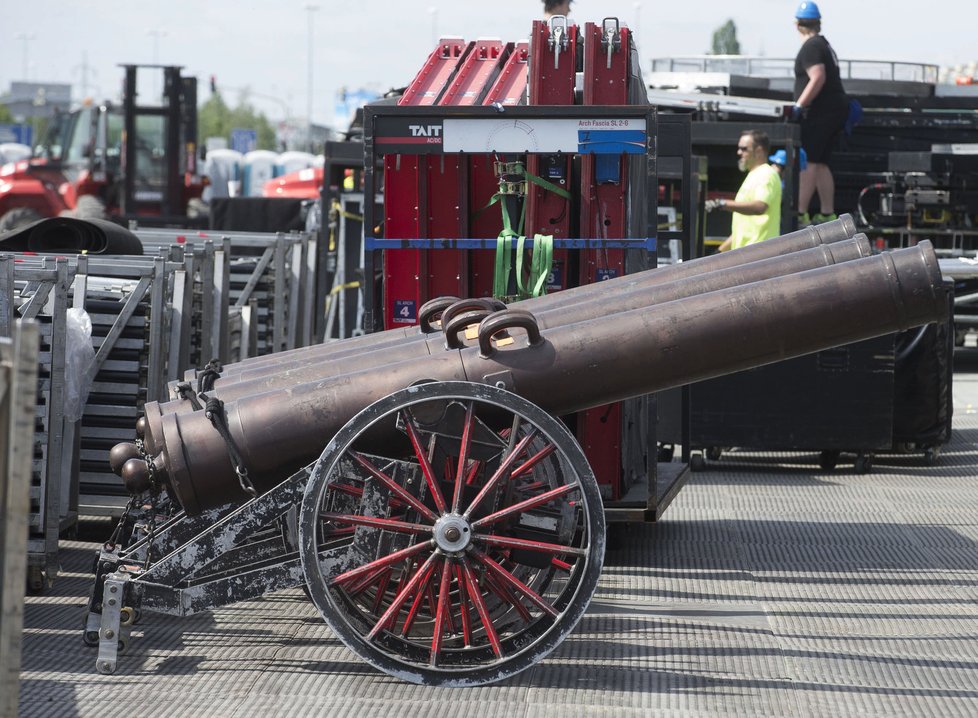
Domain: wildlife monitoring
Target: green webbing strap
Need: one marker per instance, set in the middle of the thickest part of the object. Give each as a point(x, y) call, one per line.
point(540, 264)
point(542, 255)
point(549, 186)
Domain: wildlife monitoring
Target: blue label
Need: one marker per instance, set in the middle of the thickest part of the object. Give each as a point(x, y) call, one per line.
point(611, 142)
point(603, 274)
point(555, 280)
point(405, 311)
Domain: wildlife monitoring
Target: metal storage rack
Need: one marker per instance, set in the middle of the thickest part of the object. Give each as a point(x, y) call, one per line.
point(127, 299)
point(36, 289)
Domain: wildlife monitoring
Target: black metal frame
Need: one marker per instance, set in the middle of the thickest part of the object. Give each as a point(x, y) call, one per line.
point(179, 112)
point(669, 138)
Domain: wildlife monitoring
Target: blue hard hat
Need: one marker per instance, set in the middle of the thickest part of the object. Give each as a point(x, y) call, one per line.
point(781, 158)
point(808, 10)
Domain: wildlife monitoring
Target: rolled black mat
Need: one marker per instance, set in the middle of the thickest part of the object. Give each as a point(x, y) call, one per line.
point(69, 235)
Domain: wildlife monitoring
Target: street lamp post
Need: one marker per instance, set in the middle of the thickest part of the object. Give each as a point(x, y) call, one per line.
point(310, 10)
point(26, 38)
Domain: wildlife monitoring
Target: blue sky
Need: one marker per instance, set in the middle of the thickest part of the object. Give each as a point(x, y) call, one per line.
point(264, 45)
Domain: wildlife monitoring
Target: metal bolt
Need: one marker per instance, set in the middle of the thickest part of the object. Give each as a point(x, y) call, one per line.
point(452, 534)
point(109, 633)
point(111, 601)
point(113, 589)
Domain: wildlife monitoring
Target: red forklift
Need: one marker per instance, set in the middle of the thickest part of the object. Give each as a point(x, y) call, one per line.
point(134, 162)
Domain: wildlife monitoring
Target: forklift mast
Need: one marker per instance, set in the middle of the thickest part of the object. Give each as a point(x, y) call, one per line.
point(159, 144)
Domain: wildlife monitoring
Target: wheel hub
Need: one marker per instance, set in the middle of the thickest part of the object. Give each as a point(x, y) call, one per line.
point(452, 533)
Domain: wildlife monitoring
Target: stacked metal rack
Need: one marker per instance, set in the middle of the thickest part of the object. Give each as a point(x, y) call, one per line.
point(35, 288)
point(127, 300)
point(269, 282)
point(154, 317)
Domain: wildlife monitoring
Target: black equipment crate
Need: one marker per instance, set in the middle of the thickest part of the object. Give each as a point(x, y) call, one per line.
point(922, 398)
point(838, 400)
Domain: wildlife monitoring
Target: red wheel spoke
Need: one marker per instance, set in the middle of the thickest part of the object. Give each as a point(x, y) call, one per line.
point(510, 579)
point(402, 596)
point(510, 542)
point(444, 610)
point(382, 563)
point(526, 467)
point(480, 606)
point(508, 596)
point(463, 603)
point(419, 597)
point(525, 505)
point(381, 591)
point(394, 487)
point(500, 472)
point(463, 456)
point(376, 522)
point(361, 584)
point(429, 474)
point(562, 565)
point(473, 472)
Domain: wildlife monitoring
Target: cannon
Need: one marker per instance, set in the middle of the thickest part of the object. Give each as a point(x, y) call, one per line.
point(442, 520)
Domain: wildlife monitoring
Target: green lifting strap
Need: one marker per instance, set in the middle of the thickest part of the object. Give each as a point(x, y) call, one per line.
point(540, 265)
point(542, 256)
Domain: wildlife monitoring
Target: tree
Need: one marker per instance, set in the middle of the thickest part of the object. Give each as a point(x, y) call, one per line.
point(216, 119)
point(725, 40)
point(5, 115)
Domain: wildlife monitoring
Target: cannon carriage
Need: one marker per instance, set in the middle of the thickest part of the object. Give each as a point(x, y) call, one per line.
point(418, 483)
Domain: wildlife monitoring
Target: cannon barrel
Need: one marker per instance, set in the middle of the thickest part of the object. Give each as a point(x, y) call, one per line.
point(570, 367)
point(837, 230)
point(641, 290)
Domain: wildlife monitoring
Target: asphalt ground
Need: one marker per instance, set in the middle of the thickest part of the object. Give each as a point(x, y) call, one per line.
point(770, 588)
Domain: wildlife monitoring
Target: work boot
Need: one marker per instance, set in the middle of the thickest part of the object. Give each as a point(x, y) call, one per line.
point(819, 218)
point(803, 219)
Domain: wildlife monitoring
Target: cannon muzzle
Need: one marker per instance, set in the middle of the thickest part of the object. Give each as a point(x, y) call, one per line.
point(570, 367)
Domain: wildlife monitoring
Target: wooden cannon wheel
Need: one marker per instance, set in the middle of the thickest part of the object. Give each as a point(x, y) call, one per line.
point(452, 534)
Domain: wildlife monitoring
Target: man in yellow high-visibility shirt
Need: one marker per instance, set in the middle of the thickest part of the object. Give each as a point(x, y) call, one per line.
point(757, 207)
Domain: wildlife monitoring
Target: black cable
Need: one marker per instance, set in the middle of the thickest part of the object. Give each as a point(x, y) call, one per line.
point(215, 412)
point(207, 377)
point(186, 391)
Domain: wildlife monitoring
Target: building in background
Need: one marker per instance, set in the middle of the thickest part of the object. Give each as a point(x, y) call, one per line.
point(36, 100)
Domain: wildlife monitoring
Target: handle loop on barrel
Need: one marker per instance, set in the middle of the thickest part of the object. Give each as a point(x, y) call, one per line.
point(487, 304)
point(507, 319)
point(431, 309)
point(459, 322)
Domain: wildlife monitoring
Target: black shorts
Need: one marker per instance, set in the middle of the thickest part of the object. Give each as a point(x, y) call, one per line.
point(819, 128)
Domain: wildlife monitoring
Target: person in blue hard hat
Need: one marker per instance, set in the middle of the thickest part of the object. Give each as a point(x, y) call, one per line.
point(780, 159)
point(821, 106)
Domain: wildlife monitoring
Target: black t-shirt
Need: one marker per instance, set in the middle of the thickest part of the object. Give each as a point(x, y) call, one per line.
point(817, 51)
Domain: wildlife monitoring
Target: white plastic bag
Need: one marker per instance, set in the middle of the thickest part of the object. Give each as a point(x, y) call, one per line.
point(79, 363)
